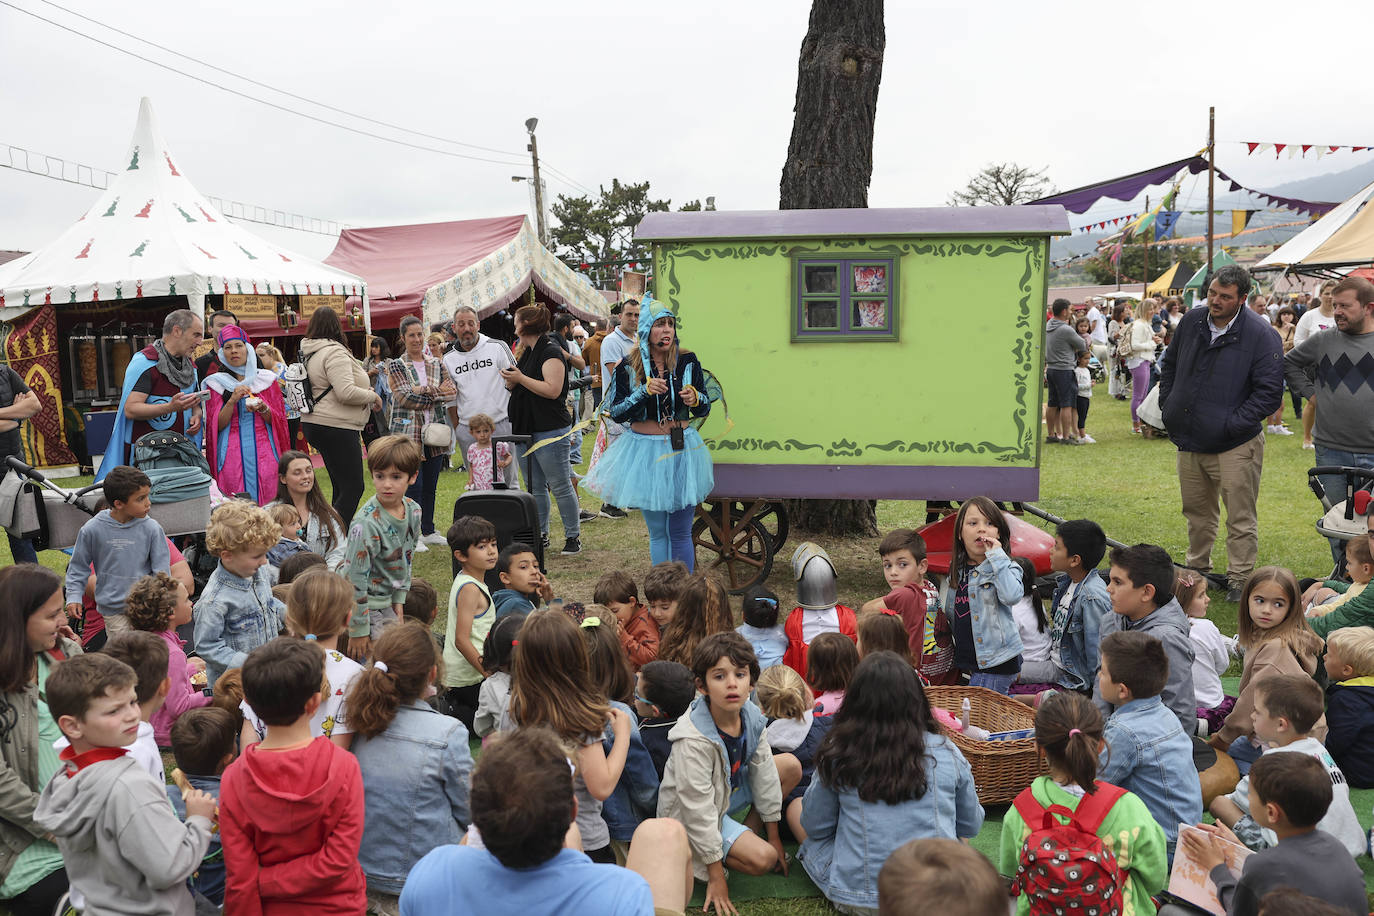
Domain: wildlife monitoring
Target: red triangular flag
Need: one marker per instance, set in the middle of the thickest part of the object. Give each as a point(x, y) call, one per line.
point(1278, 148)
point(1252, 146)
point(1305, 148)
point(1356, 149)
point(1333, 148)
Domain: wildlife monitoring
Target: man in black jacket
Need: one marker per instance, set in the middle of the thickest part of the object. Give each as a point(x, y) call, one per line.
point(1219, 380)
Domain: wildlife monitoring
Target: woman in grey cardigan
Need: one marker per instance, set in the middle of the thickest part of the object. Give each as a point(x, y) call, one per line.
point(34, 637)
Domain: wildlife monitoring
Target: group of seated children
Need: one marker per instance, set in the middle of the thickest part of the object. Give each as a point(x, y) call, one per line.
point(309, 775)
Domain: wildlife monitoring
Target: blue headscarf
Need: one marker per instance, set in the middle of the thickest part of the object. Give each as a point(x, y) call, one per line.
point(650, 311)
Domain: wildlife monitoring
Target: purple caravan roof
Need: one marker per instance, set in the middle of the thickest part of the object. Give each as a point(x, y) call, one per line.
point(926, 221)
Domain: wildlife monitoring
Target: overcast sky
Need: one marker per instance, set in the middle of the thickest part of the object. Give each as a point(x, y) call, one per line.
point(695, 97)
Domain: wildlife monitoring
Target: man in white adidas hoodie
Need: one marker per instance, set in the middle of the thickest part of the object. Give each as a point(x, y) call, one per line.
point(474, 363)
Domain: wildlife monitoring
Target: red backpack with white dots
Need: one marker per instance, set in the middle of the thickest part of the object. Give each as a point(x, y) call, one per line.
point(1066, 868)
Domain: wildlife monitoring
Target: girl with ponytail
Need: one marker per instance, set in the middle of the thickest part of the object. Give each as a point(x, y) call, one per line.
point(1068, 730)
point(317, 611)
point(414, 760)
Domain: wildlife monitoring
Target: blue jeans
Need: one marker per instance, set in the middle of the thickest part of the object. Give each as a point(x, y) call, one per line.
point(999, 682)
point(1244, 754)
point(22, 550)
point(1335, 484)
point(670, 536)
point(549, 470)
point(422, 490)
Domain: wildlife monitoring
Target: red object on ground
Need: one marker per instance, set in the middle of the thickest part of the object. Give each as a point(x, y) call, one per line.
point(1027, 541)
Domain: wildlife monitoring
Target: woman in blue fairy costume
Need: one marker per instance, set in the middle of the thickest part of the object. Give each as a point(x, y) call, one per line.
point(660, 466)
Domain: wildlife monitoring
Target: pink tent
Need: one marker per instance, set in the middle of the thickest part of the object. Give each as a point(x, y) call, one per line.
point(432, 268)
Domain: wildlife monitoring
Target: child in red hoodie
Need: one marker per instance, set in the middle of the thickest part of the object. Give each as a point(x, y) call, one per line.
point(291, 807)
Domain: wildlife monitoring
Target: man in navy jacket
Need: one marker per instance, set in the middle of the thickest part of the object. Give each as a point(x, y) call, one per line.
point(1220, 378)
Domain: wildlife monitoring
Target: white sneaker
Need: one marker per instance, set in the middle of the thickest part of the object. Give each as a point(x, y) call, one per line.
point(420, 546)
point(434, 538)
point(1281, 430)
point(1088, 439)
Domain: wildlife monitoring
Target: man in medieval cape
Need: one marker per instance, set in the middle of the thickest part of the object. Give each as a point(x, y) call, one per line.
point(159, 390)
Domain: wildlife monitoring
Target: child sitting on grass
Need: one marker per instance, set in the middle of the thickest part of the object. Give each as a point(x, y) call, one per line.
point(883, 632)
point(159, 604)
point(317, 613)
point(1211, 652)
point(1290, 796)
point(663, 691)
point(523, 585)
point(382, 540)
point(1147, 752)
point(204, 742)
point(703, 608)
point(1350, 703)
point(884, 774)
point(1286, 707)
point(237, 611)
point(917, 601)
point(638, 633)
point(1324, 597)
point(793, 728)
point(662, 588)
point(1068, 731)
point(422, 601)
point(147, 655)
point(291, 806)
point(937, 875)
point(494, 695)
point(124, 849)
point(720, 766)
point(289, 543)
point(1141, 586)
point(1079, 604)
point(830, 665)
point(761, 626)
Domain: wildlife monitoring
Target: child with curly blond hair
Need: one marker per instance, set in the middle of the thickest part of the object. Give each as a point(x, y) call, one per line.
point(159, 604)
point(237, 612)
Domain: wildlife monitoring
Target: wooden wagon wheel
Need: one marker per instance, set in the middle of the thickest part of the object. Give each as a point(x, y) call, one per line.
point(772, 515)
point(743, 550)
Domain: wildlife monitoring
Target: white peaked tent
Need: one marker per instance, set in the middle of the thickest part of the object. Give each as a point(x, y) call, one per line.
point(1342, 238)
point(152, 234)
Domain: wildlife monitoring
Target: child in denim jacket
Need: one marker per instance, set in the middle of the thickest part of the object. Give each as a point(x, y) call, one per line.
point(978, 596)
point(1146, 751)
point(237, 612)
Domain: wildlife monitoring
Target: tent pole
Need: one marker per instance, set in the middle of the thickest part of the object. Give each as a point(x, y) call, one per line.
point(1211, 182)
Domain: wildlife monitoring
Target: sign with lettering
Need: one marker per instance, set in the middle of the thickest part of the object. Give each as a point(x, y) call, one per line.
point(252, 306)
point(310, 303)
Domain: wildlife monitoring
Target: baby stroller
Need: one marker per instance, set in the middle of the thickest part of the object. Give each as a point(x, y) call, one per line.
point(1096, 370)
point(35, 508)
point(180, 479)
point(1343, 517)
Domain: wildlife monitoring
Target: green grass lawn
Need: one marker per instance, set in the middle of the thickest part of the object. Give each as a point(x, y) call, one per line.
point(1125, 483)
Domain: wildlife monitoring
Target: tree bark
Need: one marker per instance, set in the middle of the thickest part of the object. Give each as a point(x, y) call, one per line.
point(829, 165)
point(830, 156)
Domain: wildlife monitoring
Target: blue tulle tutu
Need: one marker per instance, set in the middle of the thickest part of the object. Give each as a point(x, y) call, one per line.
point(643, 472)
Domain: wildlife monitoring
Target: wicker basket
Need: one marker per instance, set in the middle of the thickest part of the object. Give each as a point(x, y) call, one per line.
point(1001, 769)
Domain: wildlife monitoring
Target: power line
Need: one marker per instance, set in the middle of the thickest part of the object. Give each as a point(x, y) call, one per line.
point(517, 155)
point(86, 176)
point(251, 98)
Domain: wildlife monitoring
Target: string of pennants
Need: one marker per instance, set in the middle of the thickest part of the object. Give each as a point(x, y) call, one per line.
point(1091, 227)
point(1294, 149)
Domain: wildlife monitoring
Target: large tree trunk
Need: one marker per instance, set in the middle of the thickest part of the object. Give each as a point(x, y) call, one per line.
point(830, 162)
point(830, 156)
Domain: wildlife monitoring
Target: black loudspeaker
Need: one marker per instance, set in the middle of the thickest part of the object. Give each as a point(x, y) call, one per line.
point(511, 511)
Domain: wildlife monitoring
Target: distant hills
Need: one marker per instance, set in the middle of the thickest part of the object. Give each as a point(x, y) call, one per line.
point(1332, 187)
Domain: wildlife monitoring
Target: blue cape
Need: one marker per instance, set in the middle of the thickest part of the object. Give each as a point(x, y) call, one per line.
point(123, 426)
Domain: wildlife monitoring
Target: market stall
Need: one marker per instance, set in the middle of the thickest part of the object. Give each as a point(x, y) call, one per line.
point(151, 244)
point(431, 268)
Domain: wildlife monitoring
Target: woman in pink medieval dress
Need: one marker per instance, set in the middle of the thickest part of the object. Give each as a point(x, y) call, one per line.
point(245, 432)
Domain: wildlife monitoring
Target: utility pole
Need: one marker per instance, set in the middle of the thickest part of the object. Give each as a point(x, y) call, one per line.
point(533, 147)
point(1211, 183)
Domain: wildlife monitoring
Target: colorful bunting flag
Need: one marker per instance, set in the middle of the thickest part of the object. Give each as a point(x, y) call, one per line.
point(1239, 220)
